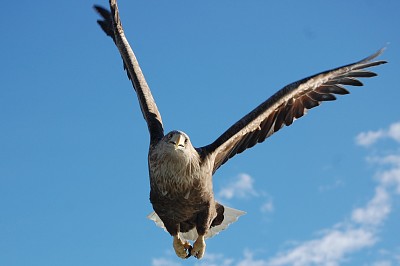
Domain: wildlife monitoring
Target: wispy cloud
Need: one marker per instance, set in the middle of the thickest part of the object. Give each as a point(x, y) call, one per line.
point(382, 263)
point(240, 187)
point(330, 249)
point(368, 138)
point(267, 206)
point(376, 210)
point(164, 262)
point(361, 230)
point(394, 131)
point(387, 257)
point(336, 184)
point(249, 260)
point(214, 259)
point(389, 177)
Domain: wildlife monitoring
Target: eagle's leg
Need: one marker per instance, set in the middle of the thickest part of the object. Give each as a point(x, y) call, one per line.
point(199, 247)
point(204, 220)
point(181, 247)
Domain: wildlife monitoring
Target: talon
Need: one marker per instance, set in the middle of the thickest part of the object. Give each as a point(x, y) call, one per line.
point(182, 249)
point(189, 251)
point(199, 247)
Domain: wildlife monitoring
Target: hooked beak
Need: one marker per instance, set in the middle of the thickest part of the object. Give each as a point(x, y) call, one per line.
point(178, 140)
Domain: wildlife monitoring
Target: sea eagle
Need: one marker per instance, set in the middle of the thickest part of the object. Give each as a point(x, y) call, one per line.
point(181, 189)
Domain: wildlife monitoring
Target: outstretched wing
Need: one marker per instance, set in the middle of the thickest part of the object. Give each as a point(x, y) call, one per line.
point(112, 26)
point(285, 106)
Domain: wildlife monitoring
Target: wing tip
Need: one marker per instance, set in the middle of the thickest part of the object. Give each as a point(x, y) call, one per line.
point(375, 55)
point(106, 22)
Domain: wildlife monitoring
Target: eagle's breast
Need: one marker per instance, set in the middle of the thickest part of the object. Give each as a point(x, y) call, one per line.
point(178, 173)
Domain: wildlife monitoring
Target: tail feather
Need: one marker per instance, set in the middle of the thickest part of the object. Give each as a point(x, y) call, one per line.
point(230, 216)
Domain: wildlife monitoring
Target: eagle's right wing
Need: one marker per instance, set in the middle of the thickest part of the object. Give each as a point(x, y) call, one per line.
point(285, 106)
point(112, 26)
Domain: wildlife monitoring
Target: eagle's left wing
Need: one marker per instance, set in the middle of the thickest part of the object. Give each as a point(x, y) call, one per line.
point(285, 106)
point(112, 26)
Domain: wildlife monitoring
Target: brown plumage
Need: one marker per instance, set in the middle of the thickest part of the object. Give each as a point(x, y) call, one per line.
point(181, 189)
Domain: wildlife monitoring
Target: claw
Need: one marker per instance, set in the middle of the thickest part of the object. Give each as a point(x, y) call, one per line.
point(189, 251)
point(199, 247)
point(182, 249)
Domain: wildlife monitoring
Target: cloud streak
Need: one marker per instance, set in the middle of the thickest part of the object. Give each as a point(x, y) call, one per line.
point(361, 230)
point(376, 210)
point(330, 249)
point(368, 138)
point(240, 187)
point(164, 262)
point(267, 206)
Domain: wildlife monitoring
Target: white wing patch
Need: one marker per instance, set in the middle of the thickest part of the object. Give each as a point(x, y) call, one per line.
point(230, 216)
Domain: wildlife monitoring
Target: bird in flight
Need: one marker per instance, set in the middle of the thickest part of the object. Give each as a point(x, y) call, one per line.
point(181, 185)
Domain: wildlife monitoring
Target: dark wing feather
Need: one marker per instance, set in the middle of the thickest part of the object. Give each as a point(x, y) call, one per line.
point(112, 26)
point(285, 106)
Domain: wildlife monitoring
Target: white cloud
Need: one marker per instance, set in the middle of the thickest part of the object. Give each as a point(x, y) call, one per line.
point(353, 235)
point(163, 262)
point(361, 230)
point(394, 131)
point(392, 159)
point(388, 257)
point(267, 206)
point(249, 261)
point(376, 210)
point(336, 184)
point(213, 259)
point(391, 177)
point(382, 263)
point(241, 187)
point(370, 137)
point(328, 250)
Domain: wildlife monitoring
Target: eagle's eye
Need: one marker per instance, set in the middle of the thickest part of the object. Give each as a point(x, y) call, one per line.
point(186, 140)
point(169, 136)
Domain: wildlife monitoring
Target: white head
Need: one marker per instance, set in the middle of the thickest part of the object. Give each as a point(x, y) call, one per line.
point(177, 141)
point(177, 146)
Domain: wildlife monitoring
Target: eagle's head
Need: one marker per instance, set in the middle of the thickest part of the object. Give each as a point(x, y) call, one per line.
point(176, 146)
point(177, 141)
point(174, 154)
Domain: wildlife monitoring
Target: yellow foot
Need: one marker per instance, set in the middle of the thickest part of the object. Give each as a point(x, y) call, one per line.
point(182, 249)
point(199, 247)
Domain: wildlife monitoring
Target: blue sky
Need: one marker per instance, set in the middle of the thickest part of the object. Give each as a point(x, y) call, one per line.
point(73, 172)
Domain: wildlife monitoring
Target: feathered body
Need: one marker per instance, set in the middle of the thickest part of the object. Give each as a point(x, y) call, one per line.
point(181, 188)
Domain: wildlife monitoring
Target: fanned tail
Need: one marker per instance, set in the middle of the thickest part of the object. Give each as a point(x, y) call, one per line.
point(230, 216)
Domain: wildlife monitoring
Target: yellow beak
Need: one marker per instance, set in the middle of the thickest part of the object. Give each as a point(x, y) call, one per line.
point(178, 140)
